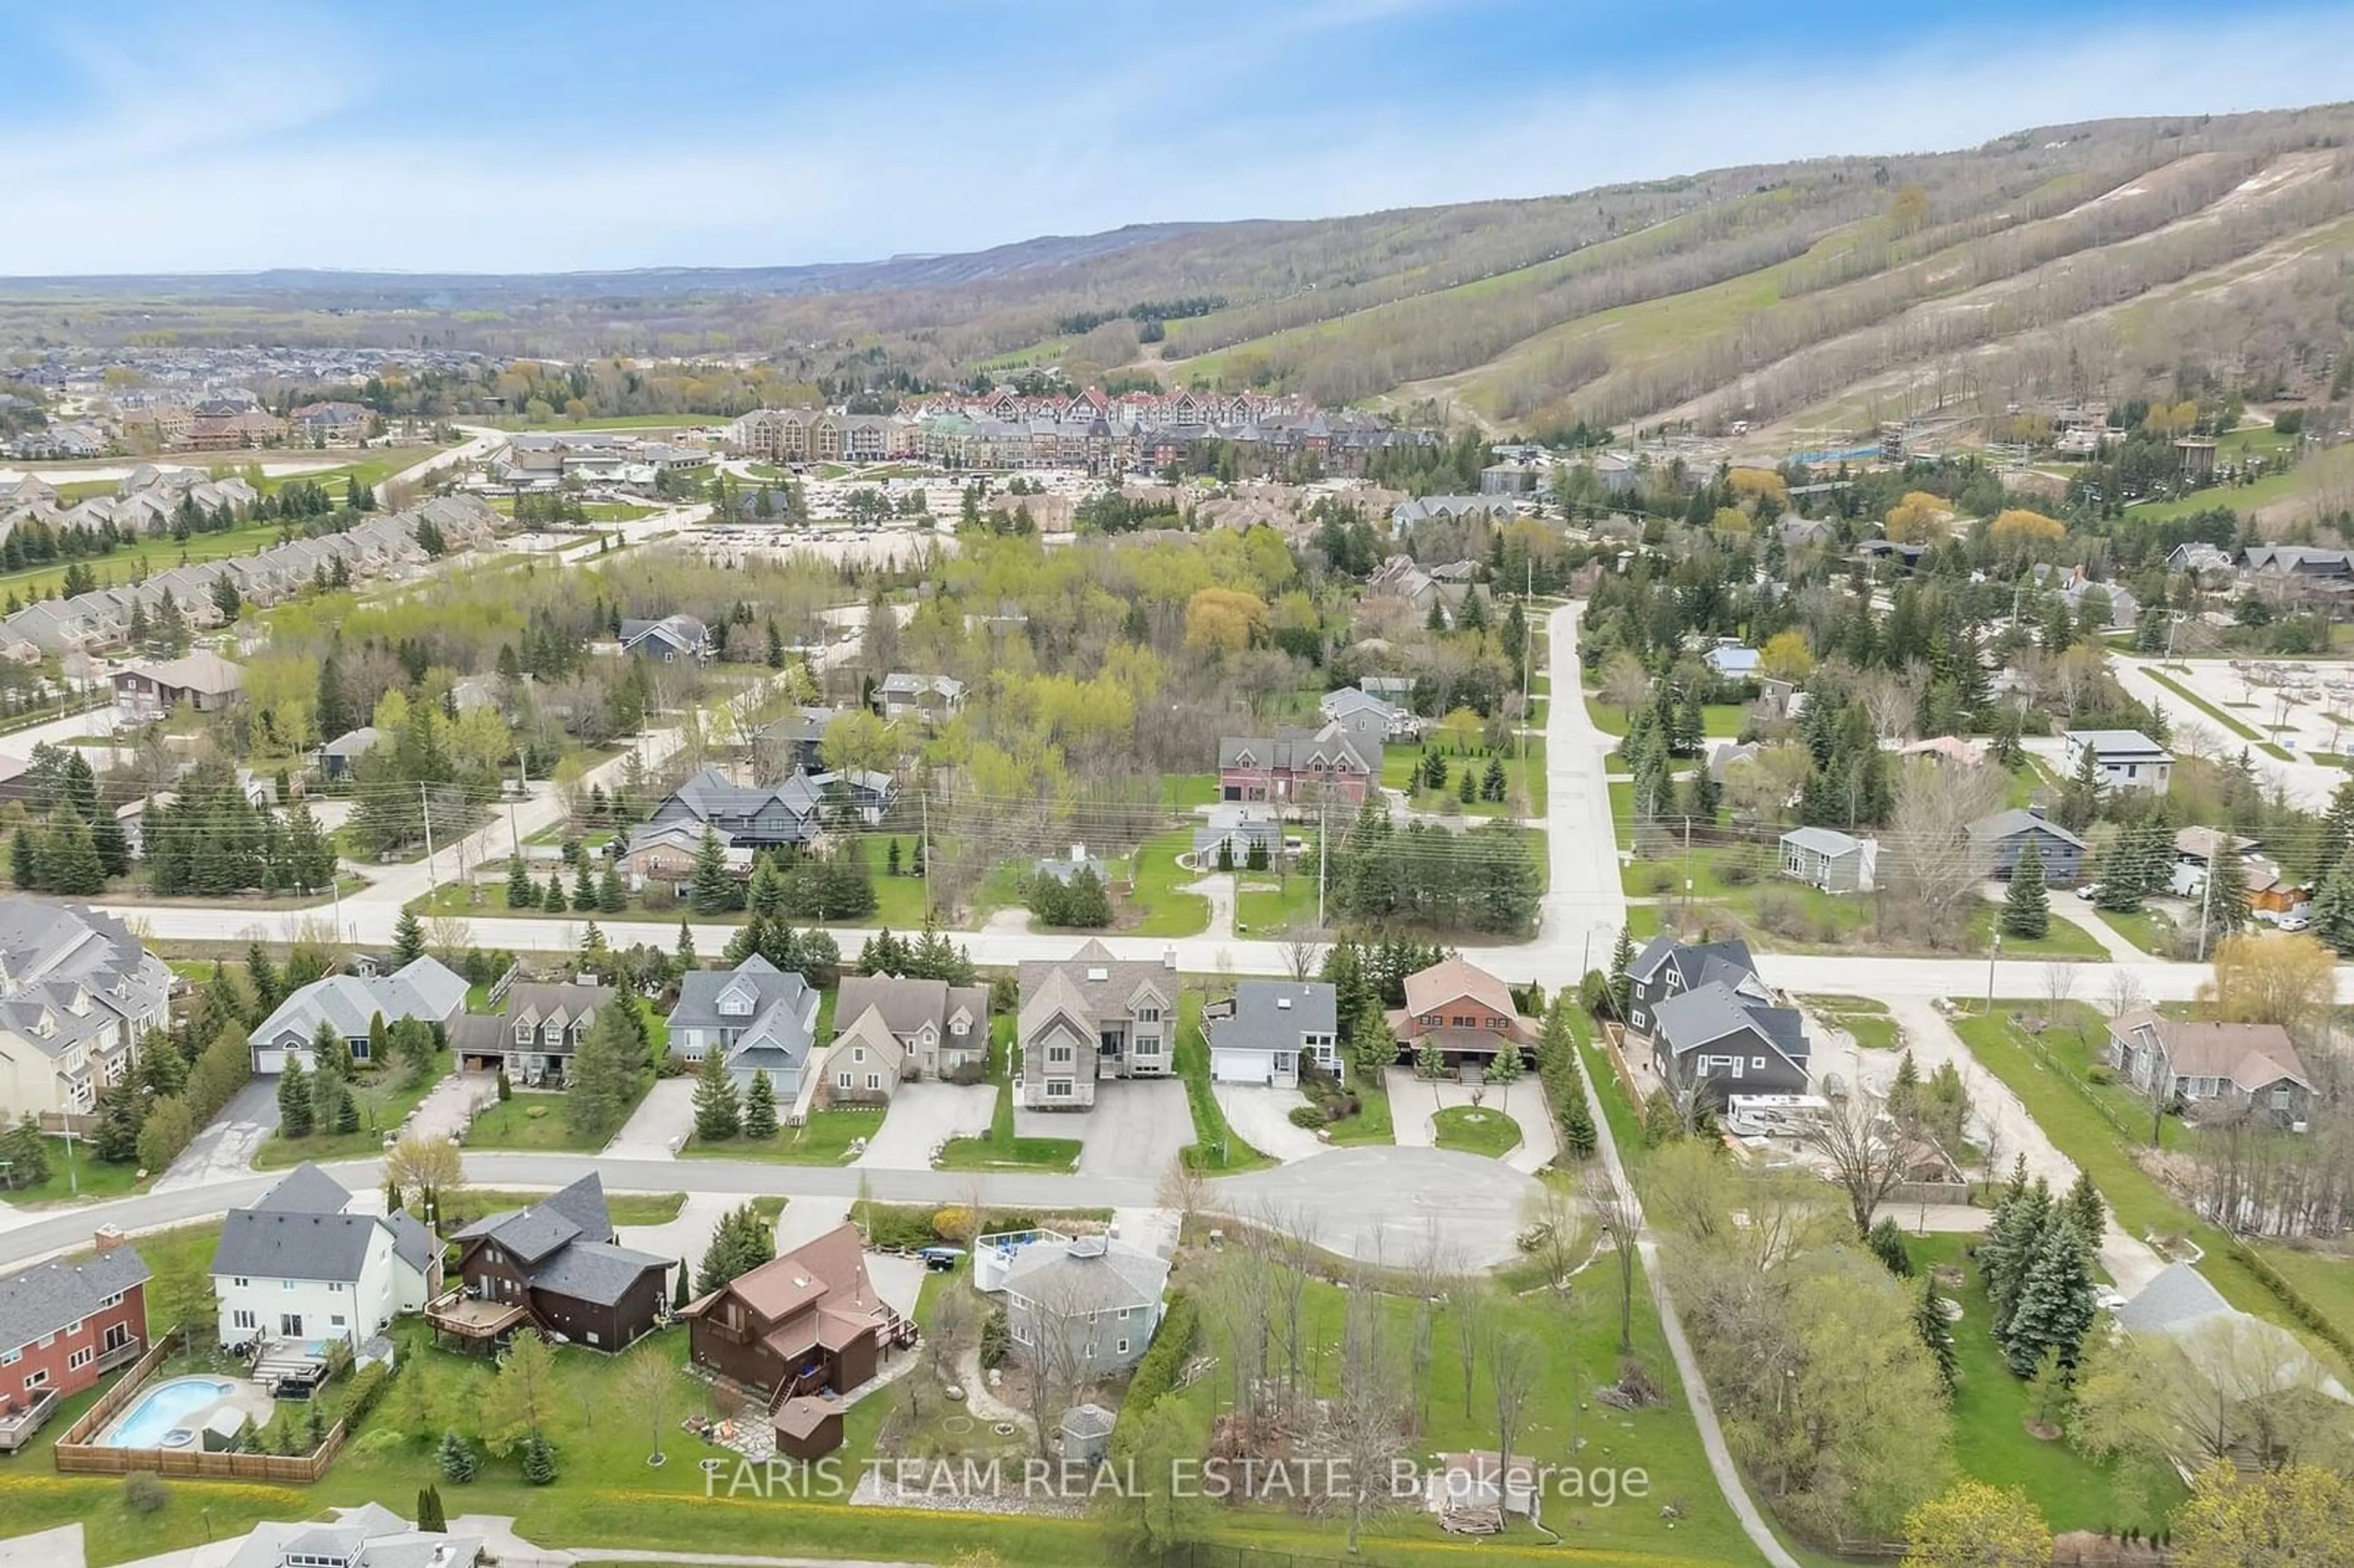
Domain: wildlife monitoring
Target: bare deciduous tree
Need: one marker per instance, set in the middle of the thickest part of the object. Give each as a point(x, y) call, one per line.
point(1366, 1416)
point(1303, 951)
point(1931, 870)
point(1618, 1215)
point(1513, 1362)
point(1471, 1302)
point(1855, 1140)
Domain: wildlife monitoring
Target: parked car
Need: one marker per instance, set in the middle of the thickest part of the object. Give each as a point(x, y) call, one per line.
point(2295, 922)
point(2090, 891)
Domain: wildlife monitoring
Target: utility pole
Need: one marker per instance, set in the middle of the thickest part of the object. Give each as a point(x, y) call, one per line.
point(924, 848)
point(1322, 856)
point(2207, 893)
point(1688, 876)
point(425, 807)
point(1992, 953)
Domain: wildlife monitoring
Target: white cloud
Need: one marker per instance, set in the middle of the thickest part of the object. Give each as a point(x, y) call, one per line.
point(227, 152)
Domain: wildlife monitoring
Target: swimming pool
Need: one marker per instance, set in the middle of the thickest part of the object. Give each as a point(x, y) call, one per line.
point(170, 1407)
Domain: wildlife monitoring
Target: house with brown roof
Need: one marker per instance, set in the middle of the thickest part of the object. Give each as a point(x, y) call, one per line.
point(558, 1267)
point(890, 1028)
point(205, 681)
point(804, 1331)
point(2217, 1064)
point(1464, 1011)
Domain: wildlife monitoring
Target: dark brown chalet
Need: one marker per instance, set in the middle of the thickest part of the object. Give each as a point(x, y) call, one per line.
point(804, 1330)
point(557, 1266)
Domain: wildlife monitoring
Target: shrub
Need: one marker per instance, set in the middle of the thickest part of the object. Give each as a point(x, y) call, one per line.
point(143, 1492)
point(1887, 1244)
point(1782, 916)
point(1738, 870)
point(898, 1227)
point(1310, 1116)
point(996, 1337)
point(2101, 1073)
point(953, 1223)
point(1156, 1370)
point(1660, 879)
point(366, 1387)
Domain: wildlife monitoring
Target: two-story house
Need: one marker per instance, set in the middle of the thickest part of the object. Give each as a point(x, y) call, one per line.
point(762, 1019)
point(1088, 1018)
point(2121, 758)
point(1464, 1012)
point(1305, 767)
point(302, 1266)
point(1086, 1304)
point(802, 1331)
point(2217, 1066)
point(78, 992)
point(1715, 1026)
point(748, 817)
point(668, 640)
point(1666, 966)
point(424, 988)
point(532, 1039)
point(888, 1028)
point(558, 1267)
point(1268, 1029)
point(63, 1326)
point(928, 699)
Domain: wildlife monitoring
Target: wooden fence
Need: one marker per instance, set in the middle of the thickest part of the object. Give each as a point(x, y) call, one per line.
point(77, 1455)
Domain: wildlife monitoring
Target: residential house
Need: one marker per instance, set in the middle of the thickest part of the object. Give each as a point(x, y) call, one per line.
point(803, 1332)
point(2122, 758)
point(1872, 552)
point(1947, 750)
point(1797, 533)
point(1234, 831)
point(1088, 1018)
point(1265, 1031)
point(535, 1034)
point(928, 699)
point(2124, 610)
point(2211, 565)
point(1721, 1039)
point(368, 1536)
point(762, 1019)
point(307, 1264)
point(800, 737)
point(1997, 841)
point(1730, 660)
point(1667, 967)
point(558, 1267)
point(668, 640)
point(1496, 507)
point(425, 989)
point(1300, 767)
point(1463, 1012)
point(667, 851)
point(749, 817)
point(205, 681)
point(63, 1325)
point(1830, 859)
point(2217, 1066)
point(1370, 721)
point(1723, 756)
point(2297, 564)
point(1066, 869)
point(337, 756)
point(1087, 1304)
point(78, 994)
point(2252, 1362)
point(332, 424)
point(905, 1028)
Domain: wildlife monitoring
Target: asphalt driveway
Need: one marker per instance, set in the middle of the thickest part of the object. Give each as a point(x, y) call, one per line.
point(1260, 1115)
point(1135, 1130)
point(223, 1150)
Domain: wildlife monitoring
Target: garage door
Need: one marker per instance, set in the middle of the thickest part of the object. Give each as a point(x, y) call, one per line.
point(269, 1059)
point(1242, 1066)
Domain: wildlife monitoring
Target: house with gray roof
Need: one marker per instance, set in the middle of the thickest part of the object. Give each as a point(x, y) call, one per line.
point(762, 1019)
point(1091, 1017)
point(368, 1536)
point(1830, 859)
point(1267, 1029)
point(311, 1263)
point(1371, 720)
point(751, 816)
point(1996, 841)
point(63, 1325)
point(535, 1034)
point(1306, 766)
point(1098, 1295)
point(938, 1030)
point(1721, 1041)
point(78, 993)
point(1232, 832)
point(927, 698)
point(2121, 758)
point(337, 756)
point(667, 641)
point(425, 989)
point(558, 1266)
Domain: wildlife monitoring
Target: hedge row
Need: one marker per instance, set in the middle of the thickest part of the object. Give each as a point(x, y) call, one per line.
point(1156, 1373)
point(2289, 1296)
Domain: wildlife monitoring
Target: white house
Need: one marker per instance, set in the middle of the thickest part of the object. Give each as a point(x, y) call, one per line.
point(1262, 1033)
point(2122, 758)
point(301, 1267)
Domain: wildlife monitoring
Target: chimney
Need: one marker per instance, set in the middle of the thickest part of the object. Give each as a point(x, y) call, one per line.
point(109, 1237)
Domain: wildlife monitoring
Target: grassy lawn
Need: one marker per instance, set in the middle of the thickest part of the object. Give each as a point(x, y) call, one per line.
point(530, 1120)
point(1719, 721)
point(898, 900)
point(90, 1179)
point(2074, 1122)
point(1372, 1123)
point(2143, 928)
point(385, 1103)
point(824, 1139)
point(1475, 1130)
point(1216, 1150)
point(1001, 1150)
point(622, 1208)
point(1991, 1409)
point(1860, 1016)
point(2064, 940)
point(1523, 781)
point(1161, 910)
point(2240, 498)
point(1266, 902)
point(1183, 791)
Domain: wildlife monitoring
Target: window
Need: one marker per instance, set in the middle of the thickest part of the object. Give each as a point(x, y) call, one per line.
point(80, 1359)
point(289, 1324)
point(1148, 1016)
point(858, 1052)
point(73, 1327)
point(1059, 1055)
point(334, 1288)
point(47, 1339)
point(285, 1285)
point(523, 1032)
point(843, 1080)
point(592, 1337)
point(113, 1300)
point(1756, 1064)
point(10, 1358)
point(1123, 1344)
point(1058, 1088)
point(242, 1319)
point(337, 1320)
point(35, 1380)
point(873, 1080)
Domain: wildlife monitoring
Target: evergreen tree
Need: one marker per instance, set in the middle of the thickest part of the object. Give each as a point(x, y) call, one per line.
point(26, 1150)
point(1930, 1323)
point(408, 940)
point(1886, 1243)
point(2026, 902)
point(554, 901)
point(1622, 964)
point(2009, 1247)
point(2336, 836)
point(1577, 1133)
point(523, 893)
point(683, 954)
point(2056, 1302)
point(120, 1109)
point(740, 1242)
point(711, 890)
point(760, 1108)
point(584, 886)
point(605, 1073)
point(538, 1461)
point(610, 899)
point(23, 863)
point(330, 710)
point(456, 1458)
point(2333, 907)
point(71, 864)
point(261, 976)
point(2223, 904)
point(1905, 1091)
point(679, 1297)
point(719, 1114)
point(2083, 1208)
point(293, 1100)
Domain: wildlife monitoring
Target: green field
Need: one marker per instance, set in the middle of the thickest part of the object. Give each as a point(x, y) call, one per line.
point(1525, 781)
point(87, 1180)
point(1216, 1149)
point(1162, 910)
point(530, 1120)
point(825, 1140)
point(1371, 1124)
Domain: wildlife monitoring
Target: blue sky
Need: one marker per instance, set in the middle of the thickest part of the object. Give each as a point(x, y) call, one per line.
point(506, 135)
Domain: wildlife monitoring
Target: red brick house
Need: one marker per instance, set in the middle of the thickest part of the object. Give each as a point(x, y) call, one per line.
point(1464, 1011)
point(1310, 767)
point(804, 1329)
point(62, 1325)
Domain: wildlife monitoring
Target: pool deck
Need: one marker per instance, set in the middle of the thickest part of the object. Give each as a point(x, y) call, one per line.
point(244, 1396)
